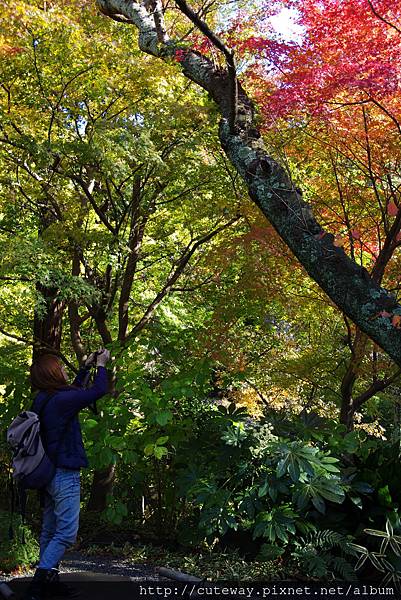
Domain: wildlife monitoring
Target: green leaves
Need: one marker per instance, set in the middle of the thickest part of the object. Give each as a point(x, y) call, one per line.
point(270, 552)
point(387, 560)
point(317, 490)
point(298, 459)
point(116, 442)
point(235, 435)
point(316, 555)
point(277, 524)
point(314, 475)
point(389, 539)
point(158, 450)
point(115, 512)
point(232, 411)
point(20, 551)
point(163, 417)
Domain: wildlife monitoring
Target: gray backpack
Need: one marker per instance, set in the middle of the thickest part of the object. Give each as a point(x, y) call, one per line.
point(32, 468)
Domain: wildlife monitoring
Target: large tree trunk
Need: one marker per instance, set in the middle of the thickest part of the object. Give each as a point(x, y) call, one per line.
point(102, 486)
point(47, 330)
point(47, 327)
point(349, 285)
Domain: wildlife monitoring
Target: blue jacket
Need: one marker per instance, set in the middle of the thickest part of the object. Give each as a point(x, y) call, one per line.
point(62, 408)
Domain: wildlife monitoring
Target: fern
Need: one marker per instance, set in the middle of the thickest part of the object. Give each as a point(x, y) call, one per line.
point(327, 540)
point(314, 557)
point(343, 568)
point(316, 565)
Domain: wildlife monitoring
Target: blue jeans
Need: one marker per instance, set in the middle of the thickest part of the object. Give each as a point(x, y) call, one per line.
point(60, 517)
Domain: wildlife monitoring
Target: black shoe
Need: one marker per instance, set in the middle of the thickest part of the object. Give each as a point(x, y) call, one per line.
point(55, 587)
point(37, 588)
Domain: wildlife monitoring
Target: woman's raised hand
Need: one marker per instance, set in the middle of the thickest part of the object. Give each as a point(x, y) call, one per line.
point(103, 357)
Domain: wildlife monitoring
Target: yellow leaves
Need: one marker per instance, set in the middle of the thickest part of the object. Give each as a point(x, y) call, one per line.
point(206, 157)
point(339, 241)
point(249, 399)
point(374, 428)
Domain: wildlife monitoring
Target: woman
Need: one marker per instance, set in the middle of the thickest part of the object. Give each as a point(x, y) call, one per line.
point(62, 439)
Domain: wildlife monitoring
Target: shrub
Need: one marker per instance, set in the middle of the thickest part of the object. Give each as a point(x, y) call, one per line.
point(20, 551)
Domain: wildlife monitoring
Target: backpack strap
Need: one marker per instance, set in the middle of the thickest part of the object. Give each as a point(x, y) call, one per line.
point(44, 404)
point(12, 503)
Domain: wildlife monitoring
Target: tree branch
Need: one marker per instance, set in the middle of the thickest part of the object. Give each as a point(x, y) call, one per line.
point(137, 230)
point(40, 345)
point(73, 315)
point(379, 16)
point(85, 188)
point(184, 260)
point(377, 386)
point(228, 53)
point(157, 12)
point(348, 285)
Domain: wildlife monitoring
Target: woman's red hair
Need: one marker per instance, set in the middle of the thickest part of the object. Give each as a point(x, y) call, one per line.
point(46, 373)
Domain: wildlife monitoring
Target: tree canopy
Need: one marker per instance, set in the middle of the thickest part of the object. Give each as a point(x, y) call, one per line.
point(220, 206)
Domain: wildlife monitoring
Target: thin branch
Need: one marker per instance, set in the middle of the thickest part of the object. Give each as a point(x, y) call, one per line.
point(38, 73)
point(379, 16)
point(228, 53)
point(83, 185)
point(259, 393)
point(73, 314)
point(44, 186)
point(387, 112)
point(61, 95)
point(194, 287)
point(342, 202)
point(40, 345)
point(370, 162)
point(157, 13)
point(185, 192)
point(137, 229)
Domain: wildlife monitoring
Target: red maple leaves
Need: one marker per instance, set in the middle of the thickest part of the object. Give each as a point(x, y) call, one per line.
point(346, 48)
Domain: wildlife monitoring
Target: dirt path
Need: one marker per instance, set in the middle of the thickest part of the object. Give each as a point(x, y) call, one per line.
point(102, 563)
